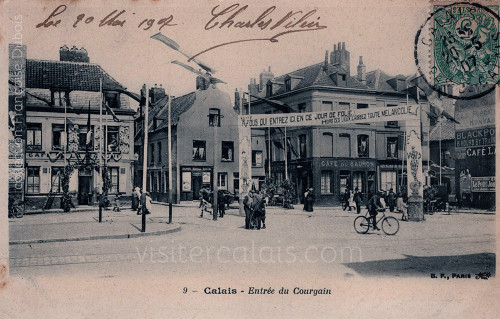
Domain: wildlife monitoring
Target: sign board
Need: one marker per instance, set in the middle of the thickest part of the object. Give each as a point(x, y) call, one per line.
point(368, 115)
point(483, 184)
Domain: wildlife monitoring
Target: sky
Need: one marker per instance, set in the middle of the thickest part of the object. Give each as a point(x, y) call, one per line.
point(383, 32)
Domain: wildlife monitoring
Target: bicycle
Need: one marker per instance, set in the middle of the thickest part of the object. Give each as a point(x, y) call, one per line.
point(390, 225)
point(16, 209)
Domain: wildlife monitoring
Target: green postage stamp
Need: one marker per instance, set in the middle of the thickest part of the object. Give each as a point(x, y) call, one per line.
point(465, 38)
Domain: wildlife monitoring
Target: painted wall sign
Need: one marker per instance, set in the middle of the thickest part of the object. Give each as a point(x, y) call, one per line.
point(349, 164)
point(483, 184)
point(477, 137)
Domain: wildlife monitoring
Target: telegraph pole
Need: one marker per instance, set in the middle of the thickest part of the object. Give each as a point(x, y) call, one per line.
point(170, 158)
point(215, 177)
point(145, 158)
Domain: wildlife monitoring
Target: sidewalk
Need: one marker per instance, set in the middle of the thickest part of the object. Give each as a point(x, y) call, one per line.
point(81, 225)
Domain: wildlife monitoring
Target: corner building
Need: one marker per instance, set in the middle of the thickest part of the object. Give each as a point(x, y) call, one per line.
point(366, 156)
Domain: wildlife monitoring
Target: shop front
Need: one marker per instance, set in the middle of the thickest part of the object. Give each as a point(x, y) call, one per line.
point(333, 176)
point(193, 178)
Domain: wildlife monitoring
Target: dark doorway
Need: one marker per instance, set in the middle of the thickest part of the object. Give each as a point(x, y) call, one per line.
point(84, 190)
point(196, 182)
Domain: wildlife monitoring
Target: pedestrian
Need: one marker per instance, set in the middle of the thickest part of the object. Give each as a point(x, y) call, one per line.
point(358, 198)
point(391, 200)
point(135, 198)
point(116, 208)
point(374, 204)
point(247, 205)
point(145, 204)
point(345, 199)
point(352, 204)
point(305, 200)
point(402, 207)
point(309, 200)
point(258, 207)
point(138, 192)
point(221, 203)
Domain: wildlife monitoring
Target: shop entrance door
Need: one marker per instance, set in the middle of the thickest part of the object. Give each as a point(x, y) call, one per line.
point(84, 190)
point(196, 184)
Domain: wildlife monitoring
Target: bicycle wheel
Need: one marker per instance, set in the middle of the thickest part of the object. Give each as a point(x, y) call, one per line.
point(390, 225)
point(361, 224)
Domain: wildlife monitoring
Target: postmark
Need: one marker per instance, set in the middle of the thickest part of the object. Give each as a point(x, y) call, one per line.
point(458, 45)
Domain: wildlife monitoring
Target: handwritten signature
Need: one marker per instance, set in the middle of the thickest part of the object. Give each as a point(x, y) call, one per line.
point(234, 16)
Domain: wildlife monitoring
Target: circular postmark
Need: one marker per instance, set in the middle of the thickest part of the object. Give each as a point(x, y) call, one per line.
point(457, 45)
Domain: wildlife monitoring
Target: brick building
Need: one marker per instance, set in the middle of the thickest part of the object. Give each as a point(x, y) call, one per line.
point(72, 86)
point(330, 159)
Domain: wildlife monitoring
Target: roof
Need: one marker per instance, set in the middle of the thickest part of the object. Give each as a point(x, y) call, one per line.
point(73, 76)
point(179, 105)
point(445, 132)
point(313, 75)
point(381, 81)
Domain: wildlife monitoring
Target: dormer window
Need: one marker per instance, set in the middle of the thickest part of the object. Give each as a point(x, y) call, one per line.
point(288, 84)
point(60, 97)
point(269, 89)
point(112, 99)
point(343, 77)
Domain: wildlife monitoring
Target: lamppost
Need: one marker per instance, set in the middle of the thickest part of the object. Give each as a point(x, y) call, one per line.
point(214, 120)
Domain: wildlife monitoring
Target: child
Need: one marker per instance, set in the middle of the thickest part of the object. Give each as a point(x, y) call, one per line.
point(402, 207)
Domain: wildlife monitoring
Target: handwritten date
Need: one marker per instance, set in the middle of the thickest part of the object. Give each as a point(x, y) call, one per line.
point(114, 19)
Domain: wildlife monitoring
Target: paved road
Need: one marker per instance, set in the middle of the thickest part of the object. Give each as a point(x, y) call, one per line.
point(324, 241)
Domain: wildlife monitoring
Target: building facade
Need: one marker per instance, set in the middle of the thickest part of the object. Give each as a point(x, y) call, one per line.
point(204, 144)
point(366, 156)
point(62, 118)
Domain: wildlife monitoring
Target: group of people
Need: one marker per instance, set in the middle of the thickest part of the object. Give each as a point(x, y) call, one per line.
point(255, 210)
point(352, 200)
point(204, 195)
point(141, 201)
point(308, 200)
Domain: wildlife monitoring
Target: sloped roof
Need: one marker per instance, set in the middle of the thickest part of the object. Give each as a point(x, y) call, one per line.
point(74, 76)
point(179, 105)
point(315, 75)
point(445, 132)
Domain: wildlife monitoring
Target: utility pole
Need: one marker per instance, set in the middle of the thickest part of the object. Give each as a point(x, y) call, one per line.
point(215, 122)
point(100, 151)
point(145, 158)
point(170, 158)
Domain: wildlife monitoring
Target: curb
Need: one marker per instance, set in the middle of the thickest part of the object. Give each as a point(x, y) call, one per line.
point(55, 240)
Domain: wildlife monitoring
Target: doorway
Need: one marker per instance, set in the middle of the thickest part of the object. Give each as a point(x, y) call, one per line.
point(196, 182)
point(84, 190)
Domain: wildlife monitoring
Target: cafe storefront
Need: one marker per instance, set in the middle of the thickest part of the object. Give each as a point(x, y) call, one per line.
point(332, 176)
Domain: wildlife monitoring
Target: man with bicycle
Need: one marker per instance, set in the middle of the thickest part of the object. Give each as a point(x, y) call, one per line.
point(374, 205)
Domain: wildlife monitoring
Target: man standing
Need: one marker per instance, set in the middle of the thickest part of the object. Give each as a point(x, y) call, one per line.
point(248, 205)
point(358, 198)
point(391, 200)
point(373, 205)
point(259, 210)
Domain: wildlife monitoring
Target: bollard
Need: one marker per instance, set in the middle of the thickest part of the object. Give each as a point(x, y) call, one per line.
point(143, 221)
point(448, 208)
point(170, 213)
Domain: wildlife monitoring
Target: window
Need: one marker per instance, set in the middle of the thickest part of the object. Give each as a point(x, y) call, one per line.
point(387, 180)
point(344, 181)
point(34, 137)
point(166, 182)
point(289, 149)
point(344, 145)
point(58, 137)
point(60, 98)
point(154, 181)
point(327, 145)
point(55, 179)
point(288, 84)
point(236, 182)
point(112, 99)
point(227, 151)
point(159, 152)
point(302, 146)
point(326, 182)
point(214, 117)
point(392, 147)
point(151, 153)
point(392, 123)
point(363, 150)
point(112, 139)
point(257, 158)
point(85, 138)
point(33, 182)
point(199, 153)
point(114, 174)
point(357, 181)
point(222, 180)
point(326, 106)
point(302, 107)
point(269, 89)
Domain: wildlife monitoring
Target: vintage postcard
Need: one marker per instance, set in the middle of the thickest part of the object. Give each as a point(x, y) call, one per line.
point(201, 159)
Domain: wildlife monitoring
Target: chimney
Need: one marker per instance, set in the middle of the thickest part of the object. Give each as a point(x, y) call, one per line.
point(253, 87)
point(341, 57)
point(361, 71)
point(73, 55)
point(265, 77)
point(325, 64)
point(237, 99)
point(156, 93)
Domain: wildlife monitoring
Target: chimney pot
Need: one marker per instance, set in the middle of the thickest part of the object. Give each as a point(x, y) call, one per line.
point(343, 46)
point(360, 59)
point(334, 47)
point(339, 46)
